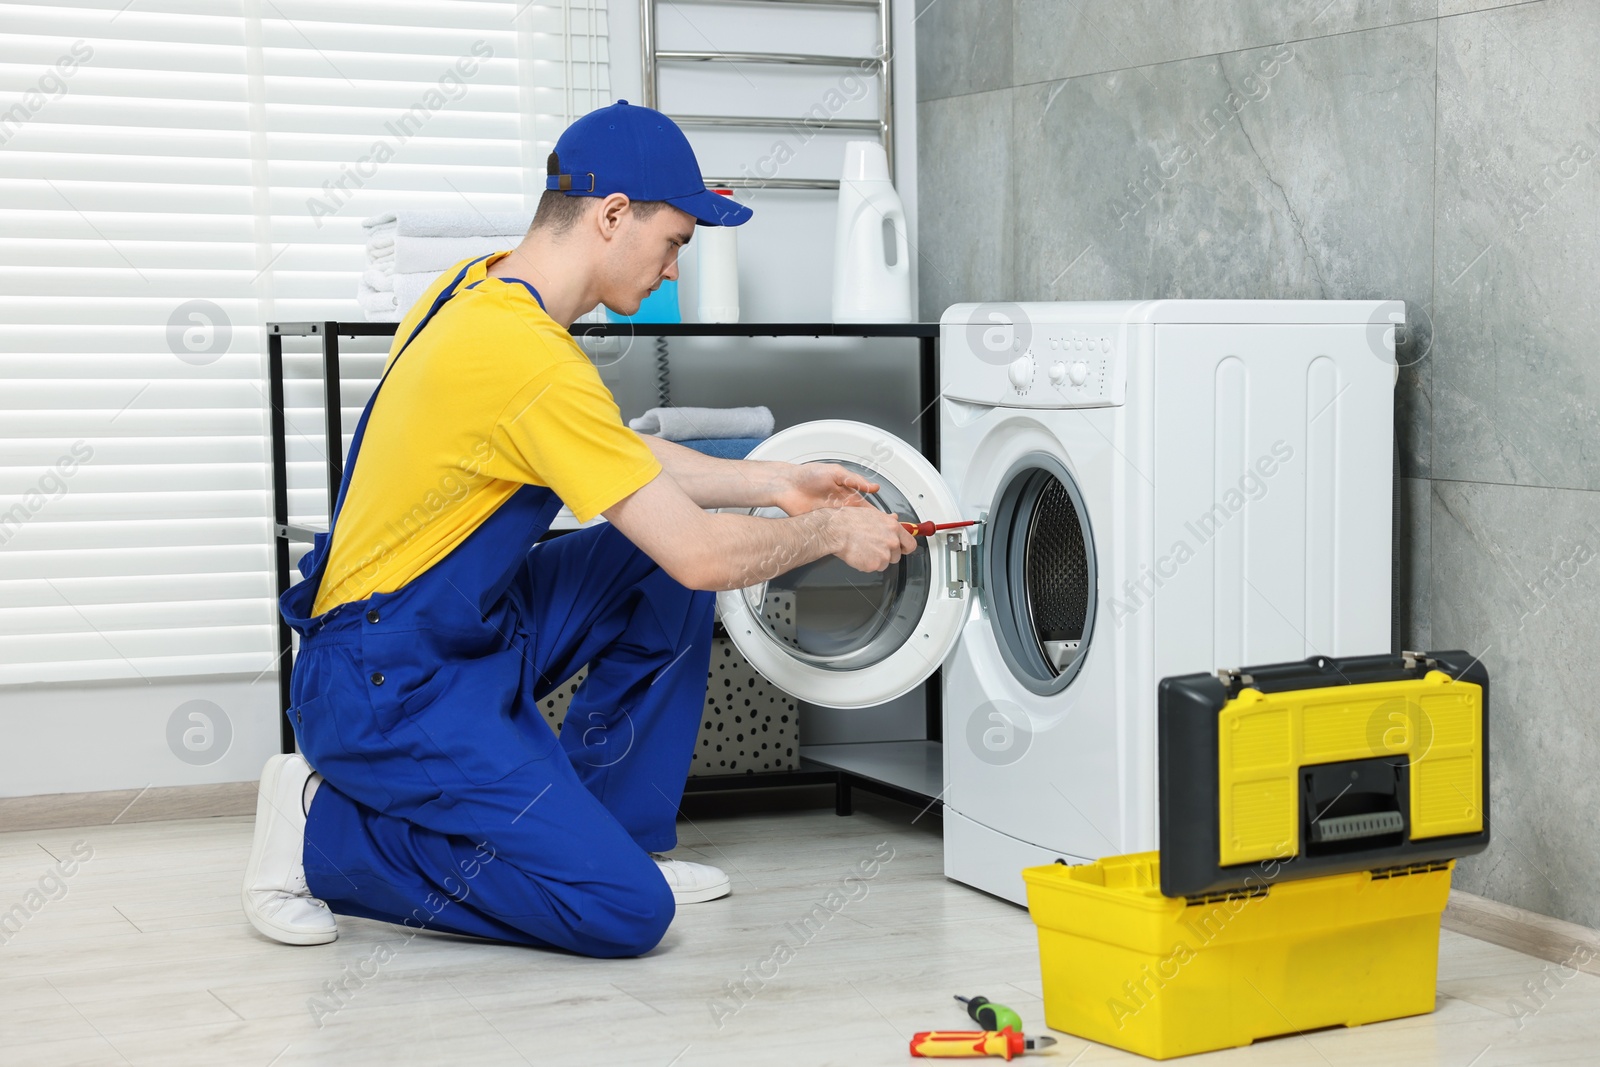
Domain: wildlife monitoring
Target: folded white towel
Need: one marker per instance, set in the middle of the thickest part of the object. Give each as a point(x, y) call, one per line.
point(391, 305)
point(376, 306)
point(688, 424)
point(412, 254)
point(380, 280)
point(448, 224)
point(408, 288)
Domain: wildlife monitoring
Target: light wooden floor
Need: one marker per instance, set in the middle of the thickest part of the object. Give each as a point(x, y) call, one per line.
point(146, 960)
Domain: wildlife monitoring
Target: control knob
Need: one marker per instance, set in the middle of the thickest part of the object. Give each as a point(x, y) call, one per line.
point(1020, 372)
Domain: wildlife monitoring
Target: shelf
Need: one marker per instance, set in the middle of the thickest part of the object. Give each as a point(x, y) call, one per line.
point(905, 775)
point(564, 522)
point(651, 329)
point(911, 766)
point(760, 329)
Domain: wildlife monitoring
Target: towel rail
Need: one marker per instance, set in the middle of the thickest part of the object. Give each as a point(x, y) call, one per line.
point(797, 59)
point(652, 58)
point(772, 183)
point(798, 3)
point(764, 122)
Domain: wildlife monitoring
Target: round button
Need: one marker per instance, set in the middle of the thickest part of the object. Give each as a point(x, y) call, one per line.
point(1021, 371)
point(1079, 345)
point(1105, 344)
point(372, 616)
point(377, 678)
point(1078, 372)
point(1058, 372)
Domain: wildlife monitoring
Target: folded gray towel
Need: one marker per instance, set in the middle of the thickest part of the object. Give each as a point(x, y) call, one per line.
point(688, 424)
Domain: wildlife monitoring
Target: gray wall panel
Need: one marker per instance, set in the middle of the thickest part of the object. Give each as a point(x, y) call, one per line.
point(1445, 152)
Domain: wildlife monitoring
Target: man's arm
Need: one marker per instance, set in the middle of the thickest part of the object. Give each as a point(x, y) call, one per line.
point(717, 483)
point(737, 483)
point(704, 550)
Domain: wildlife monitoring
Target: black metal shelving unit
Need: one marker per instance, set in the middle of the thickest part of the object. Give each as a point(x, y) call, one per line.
point(329, 332)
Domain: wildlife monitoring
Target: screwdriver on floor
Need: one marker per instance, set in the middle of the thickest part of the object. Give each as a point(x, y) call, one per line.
point(942, 1044)
point(929, 527)
point(991, 1016)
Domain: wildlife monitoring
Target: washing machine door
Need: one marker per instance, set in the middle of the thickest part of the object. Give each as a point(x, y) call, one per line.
point(832, 635)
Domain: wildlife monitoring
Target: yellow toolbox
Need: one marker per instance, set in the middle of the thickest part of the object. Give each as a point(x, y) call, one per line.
point(1310, 813)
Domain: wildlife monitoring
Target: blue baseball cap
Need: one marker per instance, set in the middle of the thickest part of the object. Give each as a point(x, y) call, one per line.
point(641, 153)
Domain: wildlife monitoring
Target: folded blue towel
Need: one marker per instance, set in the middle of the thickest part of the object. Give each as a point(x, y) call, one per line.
point(724, 447)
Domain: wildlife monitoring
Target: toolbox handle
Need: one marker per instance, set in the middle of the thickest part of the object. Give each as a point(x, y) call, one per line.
point(1347, 670)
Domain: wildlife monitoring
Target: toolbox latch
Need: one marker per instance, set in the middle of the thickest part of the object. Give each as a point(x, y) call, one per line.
point(1415, 661)
point(1233, 680)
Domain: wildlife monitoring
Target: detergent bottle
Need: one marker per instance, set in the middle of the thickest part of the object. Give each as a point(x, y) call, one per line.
point(719, 270)
point(659, 306)
point(871, 258)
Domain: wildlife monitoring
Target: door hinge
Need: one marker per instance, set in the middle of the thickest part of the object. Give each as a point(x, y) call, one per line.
point(960, 546)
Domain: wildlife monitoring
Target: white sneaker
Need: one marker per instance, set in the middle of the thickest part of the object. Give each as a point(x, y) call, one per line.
point(277, 900)
point(692, 883)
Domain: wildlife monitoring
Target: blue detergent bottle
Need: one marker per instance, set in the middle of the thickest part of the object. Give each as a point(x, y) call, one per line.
point(659, 306)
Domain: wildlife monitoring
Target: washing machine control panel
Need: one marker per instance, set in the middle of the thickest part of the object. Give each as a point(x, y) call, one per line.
point(1080, 364)
point(1047, 366)
point(1065, 355)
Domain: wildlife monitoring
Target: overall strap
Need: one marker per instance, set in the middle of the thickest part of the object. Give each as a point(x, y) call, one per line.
point(537, 298)
point(361, 427)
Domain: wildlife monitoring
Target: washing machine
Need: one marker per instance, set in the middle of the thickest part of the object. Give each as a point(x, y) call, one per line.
point(1161, 487)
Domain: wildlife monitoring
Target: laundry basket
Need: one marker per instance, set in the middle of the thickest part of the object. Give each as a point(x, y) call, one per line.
point(748, 726)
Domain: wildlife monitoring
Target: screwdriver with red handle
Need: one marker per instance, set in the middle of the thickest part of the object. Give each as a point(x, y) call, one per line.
point(928, 528)
point(942, 1044)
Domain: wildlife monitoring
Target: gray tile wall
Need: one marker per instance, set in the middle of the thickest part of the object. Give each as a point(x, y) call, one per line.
point(1446, 152)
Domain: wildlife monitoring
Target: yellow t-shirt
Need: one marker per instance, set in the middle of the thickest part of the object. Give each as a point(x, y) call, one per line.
point(491, 396)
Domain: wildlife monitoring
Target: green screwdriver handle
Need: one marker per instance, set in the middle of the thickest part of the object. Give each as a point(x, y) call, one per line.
point(991, 1016)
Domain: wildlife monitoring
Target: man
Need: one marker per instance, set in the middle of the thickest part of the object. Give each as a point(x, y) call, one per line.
point(431, 624)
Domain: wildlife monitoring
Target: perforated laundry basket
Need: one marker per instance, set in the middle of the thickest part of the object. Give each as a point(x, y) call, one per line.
point(748, 726)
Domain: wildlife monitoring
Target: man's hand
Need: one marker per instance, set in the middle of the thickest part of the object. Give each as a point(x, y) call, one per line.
point(804, 487)
point(731, 551)
point(868, 539)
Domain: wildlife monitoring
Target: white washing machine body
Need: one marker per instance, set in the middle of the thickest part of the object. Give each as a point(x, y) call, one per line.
point(1039, 765)
point(1047, 755)
point(1165, 487)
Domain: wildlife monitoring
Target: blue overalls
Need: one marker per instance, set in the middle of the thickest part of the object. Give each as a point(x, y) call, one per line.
point(448, 803)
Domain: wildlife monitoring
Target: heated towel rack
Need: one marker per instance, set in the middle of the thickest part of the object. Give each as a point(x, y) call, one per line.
point(882, 64)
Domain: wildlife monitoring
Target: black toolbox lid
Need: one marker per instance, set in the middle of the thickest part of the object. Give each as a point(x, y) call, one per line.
point(1351, 813)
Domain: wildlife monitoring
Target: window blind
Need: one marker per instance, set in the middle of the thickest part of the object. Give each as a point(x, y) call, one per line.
point(173, 175)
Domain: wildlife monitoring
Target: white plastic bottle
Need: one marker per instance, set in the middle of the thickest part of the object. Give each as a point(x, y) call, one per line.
point(871, 260)
point(719, 271)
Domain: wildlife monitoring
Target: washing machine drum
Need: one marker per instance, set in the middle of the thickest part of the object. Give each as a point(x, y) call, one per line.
point(1040, 574)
